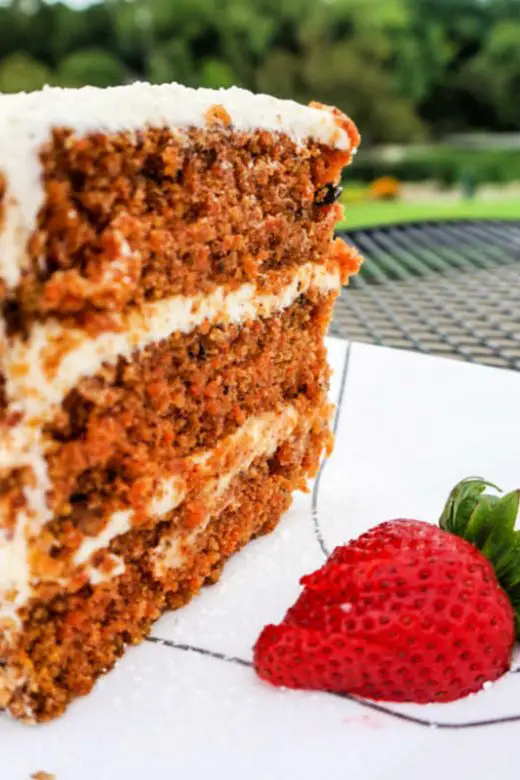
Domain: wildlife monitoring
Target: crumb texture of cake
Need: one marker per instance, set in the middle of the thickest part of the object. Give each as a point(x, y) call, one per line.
point(168, 269)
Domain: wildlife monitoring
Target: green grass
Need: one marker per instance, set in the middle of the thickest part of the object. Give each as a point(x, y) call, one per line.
point(380, 213)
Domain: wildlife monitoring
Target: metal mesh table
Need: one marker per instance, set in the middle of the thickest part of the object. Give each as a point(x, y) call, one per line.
point(445, 288)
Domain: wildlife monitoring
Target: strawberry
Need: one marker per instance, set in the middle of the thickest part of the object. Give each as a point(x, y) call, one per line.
point(409, 611)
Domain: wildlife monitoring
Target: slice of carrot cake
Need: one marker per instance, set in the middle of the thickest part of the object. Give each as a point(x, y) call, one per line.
point(167, 273)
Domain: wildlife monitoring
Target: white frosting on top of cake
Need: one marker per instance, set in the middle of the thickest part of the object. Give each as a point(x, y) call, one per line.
point(142, 105)
point(27, 119)
point(35, 392)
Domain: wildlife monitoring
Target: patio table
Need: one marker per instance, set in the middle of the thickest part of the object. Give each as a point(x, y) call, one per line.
point(449, 288)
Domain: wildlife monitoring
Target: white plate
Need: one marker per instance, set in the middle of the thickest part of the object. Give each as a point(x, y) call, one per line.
point(408, 427)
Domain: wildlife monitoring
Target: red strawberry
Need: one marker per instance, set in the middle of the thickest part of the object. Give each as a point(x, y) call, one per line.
point(409, 611)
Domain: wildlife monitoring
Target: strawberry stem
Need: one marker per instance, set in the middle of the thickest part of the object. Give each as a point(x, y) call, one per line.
point(488, 522)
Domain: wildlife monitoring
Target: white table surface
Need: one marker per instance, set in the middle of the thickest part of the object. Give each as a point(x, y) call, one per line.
point(409, 427)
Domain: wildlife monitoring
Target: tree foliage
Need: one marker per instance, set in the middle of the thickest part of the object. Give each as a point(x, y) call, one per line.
point(21, 73)
point(406, 69)
point(93, 66)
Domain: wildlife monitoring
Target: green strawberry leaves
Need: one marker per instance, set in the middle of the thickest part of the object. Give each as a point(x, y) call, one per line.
point(488, 522)
point(461, 504)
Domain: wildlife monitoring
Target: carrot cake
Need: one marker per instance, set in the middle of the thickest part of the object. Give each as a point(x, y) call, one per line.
point(167, 273)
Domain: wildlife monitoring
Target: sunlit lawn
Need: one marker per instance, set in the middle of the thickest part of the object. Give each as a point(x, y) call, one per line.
point(384, 212)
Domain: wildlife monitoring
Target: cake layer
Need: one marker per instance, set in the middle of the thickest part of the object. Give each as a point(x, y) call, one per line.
point(99, 212)
point(40, 370)
point(135, 420)
point(128, 220)
point(69, 640)
point(70, 549)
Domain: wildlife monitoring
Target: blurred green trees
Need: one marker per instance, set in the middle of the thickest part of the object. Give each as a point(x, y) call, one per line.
point(20, 71)
point(406, 69)
point(93, 66)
